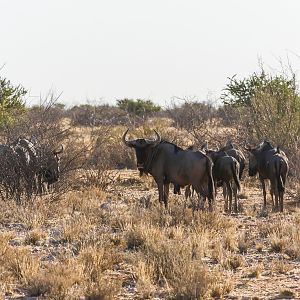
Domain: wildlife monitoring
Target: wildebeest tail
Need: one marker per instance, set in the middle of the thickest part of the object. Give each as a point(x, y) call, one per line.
point(242, 167)
point(211, 186)
point(235, 173)
point(278, 176)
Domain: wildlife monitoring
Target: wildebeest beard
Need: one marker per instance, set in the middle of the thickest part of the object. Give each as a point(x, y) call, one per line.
point(141, 159)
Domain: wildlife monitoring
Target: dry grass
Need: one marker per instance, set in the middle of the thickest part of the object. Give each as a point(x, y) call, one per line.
point(34, 237)
point(255, 271)
point(280, 266)
point(287, 294)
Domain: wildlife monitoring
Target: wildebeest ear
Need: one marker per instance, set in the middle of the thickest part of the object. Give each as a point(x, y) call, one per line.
point(278, 150)
point(204, 146)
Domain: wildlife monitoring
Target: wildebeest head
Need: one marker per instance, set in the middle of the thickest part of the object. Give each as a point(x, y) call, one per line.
point(254, 154)
point(143, 149)
point(51, 164)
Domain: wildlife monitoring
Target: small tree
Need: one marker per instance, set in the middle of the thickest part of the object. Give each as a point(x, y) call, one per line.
point(11, 101)
point(138, 107)
point(269, 106)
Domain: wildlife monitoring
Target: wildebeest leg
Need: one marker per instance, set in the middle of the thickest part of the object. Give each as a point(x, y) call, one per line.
point(264, 191)
point(272, 197)
point(166, 194)
point(281, 193)
point(160, 185)
point(187, 192)
point(201, 201)
point(235, 191)
point(177, 189)
point(225, 196)
point(187, 195)
point(229, 191)
point(39, 184)
point(274, 188)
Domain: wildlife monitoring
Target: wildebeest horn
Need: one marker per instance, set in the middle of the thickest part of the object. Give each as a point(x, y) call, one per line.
point(158, 138)
point(60, 150)
point(124, 138)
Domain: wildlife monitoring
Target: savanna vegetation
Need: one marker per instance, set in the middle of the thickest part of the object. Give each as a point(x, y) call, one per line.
point(100, 233)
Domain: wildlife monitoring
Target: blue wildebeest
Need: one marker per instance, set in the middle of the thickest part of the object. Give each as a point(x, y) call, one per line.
point(26, 162)
point(272, 164)
point(168, 163)
point(9, 172)
point(237, 154)
point(230, 151)
point(226, 171)
point(38, 165)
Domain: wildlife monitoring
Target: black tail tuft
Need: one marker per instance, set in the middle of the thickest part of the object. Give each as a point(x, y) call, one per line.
point(211, 186)
point(281, 187)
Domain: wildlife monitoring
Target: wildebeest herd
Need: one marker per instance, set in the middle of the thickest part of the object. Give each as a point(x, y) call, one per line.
point(27, 167)
point(31, 169)
point(204, 169)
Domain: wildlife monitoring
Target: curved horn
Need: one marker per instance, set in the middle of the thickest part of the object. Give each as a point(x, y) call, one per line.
point(158, 138)
point(60, 150)
point(127, 143)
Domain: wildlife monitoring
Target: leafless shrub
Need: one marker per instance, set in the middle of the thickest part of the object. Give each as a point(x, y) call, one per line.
point(97, 115)
point(44, 127)
point(191, 113)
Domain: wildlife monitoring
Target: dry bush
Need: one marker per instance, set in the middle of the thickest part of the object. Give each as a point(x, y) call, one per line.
point(144, 278)
point(284, 236)
point(255, 271)
point(76, 228)
point(56, 281)
point(191, 113)
point(259, 247)
point(44, 127)
point(96, 115)
point(34, 236)
point(280, 266)
point(87, 202)
point(107, 153)
point(170, 253)
point(32, 215)
point(96, 258)
point(17, 263)
point(287, 294)
point(243, 243)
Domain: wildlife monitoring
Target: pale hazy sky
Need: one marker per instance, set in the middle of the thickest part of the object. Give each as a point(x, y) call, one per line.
point(91, 50)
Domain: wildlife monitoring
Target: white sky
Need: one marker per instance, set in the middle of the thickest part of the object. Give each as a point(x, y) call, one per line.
point(157, 49)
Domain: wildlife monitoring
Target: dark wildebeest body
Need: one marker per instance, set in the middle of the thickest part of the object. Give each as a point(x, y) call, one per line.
point(237, 154)
point(168, 163)
point(25, 169)
point(9, 172)
point(26, 163)
point(226, 170)
point(272, 164)
point(39, 166)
